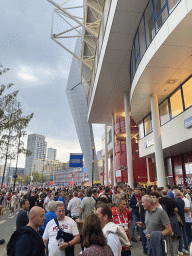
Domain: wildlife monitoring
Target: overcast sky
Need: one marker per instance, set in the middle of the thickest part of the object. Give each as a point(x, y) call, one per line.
point(39, 68)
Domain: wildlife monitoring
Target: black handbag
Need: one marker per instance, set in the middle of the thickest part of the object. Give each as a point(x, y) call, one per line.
point(69, 251)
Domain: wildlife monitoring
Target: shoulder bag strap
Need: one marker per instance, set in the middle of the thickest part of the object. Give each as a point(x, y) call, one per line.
point(56, 221)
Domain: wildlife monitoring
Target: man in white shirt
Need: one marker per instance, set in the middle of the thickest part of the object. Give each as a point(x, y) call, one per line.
point(74, 205)
point(46, 201)
point(116, 236)
point(67, 225)
point(13, 203)
point(87, 204)
point(188, 220)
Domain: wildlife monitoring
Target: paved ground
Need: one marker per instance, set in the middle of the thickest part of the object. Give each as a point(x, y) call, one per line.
point(7, 227)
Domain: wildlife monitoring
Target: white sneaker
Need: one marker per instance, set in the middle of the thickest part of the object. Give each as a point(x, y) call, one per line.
point(185, 251)
point(180, 253)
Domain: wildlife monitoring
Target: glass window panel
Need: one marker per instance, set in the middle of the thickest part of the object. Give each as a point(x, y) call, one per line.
point(137, 45)
point(147, 123)
point(137, 62)
point(178, 170)
point(149, 24)
point(133, 63)
point(164, 112)
point(141, 130)
point(171, 4)
point(176, 103)
point(142, 38)
point(137, 58)
point(161, 19)
point(159, 4)
point(169, 167)
point(186, 162)
point(187, 93)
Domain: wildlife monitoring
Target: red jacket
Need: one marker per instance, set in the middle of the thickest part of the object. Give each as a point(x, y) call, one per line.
point(125, 217)
point(120, 219)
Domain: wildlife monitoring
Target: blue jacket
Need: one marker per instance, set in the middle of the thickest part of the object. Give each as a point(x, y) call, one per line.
point(170, 194)
point(132, 204)
point(49, 216)
point(156, 244)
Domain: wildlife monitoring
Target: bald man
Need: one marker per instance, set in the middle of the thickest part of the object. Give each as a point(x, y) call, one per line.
point(28, 242)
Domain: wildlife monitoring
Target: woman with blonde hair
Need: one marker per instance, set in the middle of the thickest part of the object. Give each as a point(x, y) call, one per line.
point(93, 239)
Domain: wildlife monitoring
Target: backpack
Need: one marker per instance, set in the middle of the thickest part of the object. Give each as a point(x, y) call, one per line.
point(13, 239)
point(24, 230)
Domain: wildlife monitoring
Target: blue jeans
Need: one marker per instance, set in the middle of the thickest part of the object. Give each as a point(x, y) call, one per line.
point(144, 239)
point(183, 239)
point(135, 219)
point(188, 231)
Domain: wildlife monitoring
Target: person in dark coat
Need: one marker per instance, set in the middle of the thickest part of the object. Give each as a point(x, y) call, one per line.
point(32, 200)
point(170, 208)
point(134, 204)
point(181, 206)
point(30, 243)
point(22, 217)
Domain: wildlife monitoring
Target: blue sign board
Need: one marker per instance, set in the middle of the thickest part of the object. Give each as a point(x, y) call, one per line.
point(188, 122)
point(76, 160)
point(15, 176)
point(84, 169)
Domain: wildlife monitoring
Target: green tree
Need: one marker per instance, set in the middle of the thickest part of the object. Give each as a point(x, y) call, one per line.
point(22, 123)
point(37, 177)
point(12, 125)
point(8, 138)
point(20, 179)
point(27, 179)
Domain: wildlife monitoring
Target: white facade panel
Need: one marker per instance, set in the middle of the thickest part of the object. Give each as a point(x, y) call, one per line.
point(77, 98)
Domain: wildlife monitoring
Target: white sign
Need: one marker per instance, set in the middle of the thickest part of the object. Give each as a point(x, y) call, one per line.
point(118, 173)
point(148, 144)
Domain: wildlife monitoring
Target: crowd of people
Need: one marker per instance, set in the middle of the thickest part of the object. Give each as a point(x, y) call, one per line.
point(104, 220)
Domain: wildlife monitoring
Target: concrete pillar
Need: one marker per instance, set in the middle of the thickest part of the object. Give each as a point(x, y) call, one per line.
point(160, 167)
point(148, 175)
point(106, 157)
point(128, 140)
point(113, 141)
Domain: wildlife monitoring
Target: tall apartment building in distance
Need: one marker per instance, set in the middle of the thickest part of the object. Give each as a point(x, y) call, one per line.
point(37, 145)
point(51, 154)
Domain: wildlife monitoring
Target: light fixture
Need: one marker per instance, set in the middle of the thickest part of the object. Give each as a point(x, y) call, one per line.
point(171, 81)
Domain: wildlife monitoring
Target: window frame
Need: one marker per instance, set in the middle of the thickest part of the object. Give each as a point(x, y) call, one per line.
point(168, 109)
point(177, 89)
point(150, 125)
point(183, 93)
